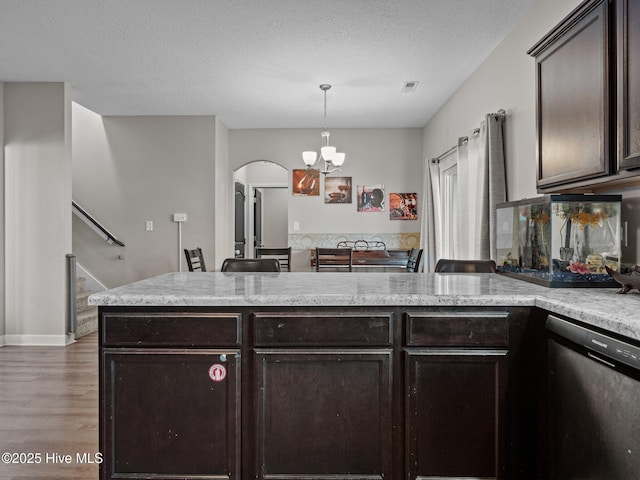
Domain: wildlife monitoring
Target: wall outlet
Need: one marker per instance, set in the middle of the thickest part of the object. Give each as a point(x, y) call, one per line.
point(296, 226)
point(148, 226)
point(179, 217)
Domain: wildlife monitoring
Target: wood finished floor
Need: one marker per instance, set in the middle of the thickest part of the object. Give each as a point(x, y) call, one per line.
point(49, 405)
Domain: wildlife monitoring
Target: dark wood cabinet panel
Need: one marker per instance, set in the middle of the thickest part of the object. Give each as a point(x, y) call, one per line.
point(628, 70)
point(168, 414)
point(441, 329)
point(306, 329)
point(573, 70)
point(323, 414)
point(456, 413)
point(168, 329)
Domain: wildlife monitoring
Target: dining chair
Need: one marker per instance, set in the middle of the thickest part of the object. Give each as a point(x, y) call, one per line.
point(283, 255)
point(195, 260)
point(465, 266)
point(250, 265)
point(413, 262)
point(334, 258)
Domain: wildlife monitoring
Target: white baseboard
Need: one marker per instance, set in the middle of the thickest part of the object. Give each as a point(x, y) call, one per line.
point(38, 340)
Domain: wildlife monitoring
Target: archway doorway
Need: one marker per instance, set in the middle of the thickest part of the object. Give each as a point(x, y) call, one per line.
point(262, 217)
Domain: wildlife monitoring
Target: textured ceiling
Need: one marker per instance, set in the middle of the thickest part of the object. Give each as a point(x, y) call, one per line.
point(256, 63)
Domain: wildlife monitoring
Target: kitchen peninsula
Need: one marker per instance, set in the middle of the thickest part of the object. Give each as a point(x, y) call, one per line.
point(331, 375)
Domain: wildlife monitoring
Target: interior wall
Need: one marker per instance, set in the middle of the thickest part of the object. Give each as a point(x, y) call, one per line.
point(274, 222)
point(37, 208)
point(130, 170)
point(2, 250)
point(506, 79)
point(223, 218)
point(391, 157)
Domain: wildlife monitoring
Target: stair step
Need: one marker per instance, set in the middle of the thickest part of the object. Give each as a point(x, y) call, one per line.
point(82, 302)
point(87, 321)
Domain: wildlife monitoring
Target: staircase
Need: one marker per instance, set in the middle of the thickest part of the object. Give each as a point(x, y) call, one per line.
point(87, 315)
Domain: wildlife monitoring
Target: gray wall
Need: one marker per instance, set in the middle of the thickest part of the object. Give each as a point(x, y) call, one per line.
point(274, 217)
point(223, 213)
point(128, 170)
point(506, 79)
point(392, 157)
point(2, 206)
point(37, 211)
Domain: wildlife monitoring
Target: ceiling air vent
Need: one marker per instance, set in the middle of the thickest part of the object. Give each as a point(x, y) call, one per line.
point(409, 86)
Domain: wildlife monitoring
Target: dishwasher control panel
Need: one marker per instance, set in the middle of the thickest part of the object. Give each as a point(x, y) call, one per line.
point(610, 347)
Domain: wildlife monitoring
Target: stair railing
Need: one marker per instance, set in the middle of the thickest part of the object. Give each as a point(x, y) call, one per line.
point(72, 314)
point(83, 215)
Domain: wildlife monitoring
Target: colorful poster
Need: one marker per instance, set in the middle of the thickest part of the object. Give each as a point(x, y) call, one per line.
point(370, 198)
point(403, 206)
point(337, 190)
point(306, 182)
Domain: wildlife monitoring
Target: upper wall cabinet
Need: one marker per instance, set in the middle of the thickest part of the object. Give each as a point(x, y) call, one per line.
point(628, 69)
point(574, 98)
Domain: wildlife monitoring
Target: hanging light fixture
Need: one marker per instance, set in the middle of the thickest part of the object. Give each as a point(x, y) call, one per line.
point(332, 159)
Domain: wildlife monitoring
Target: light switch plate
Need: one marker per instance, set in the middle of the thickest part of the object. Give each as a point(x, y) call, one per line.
point(148, 225)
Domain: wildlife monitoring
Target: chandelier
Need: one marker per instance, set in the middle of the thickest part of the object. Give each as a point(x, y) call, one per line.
point(332, 159)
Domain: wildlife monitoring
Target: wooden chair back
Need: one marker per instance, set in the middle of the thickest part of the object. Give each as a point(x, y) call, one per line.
point(413, 262)
point(283, 255)
point(195, 260)
point(250, 265)
point(465, 266)
point(334, 258)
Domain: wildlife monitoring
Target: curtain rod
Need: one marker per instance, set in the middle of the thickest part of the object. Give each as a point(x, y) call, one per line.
point(463, 140)
point(440, 157)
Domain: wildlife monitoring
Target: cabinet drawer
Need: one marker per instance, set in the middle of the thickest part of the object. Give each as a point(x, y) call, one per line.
point(323, 329)
point(458, 329)
point(172, 329)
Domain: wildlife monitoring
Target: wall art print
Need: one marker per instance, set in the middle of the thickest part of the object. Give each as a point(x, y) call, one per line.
point(370, 198)
point(403, 206)
point(337, 190)
point(306, 182)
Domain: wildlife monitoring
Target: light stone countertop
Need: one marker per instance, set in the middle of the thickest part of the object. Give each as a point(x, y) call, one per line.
point(601, 307)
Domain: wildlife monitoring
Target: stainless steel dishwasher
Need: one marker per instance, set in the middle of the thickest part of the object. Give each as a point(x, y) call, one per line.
point(593, 404)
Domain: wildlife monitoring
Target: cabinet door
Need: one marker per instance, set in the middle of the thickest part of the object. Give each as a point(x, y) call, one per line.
point(573, 98)
point(170, 414)
point(628, 31)
point(455, 413)
point(323, 414)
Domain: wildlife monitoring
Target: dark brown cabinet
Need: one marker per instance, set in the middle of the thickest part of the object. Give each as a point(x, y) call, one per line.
point(588, 99)
point(456, 383)
point(171, 413)
point(573, 98)
point(628, 70)
point(170, 400)
point(340, 393)
point(323, 394)
point(456, 413)
point(323, 413)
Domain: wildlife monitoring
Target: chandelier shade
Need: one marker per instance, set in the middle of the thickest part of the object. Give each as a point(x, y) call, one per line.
point(309, 158)
point(330, 156)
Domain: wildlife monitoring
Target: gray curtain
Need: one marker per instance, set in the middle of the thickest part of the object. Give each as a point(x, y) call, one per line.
point(481, 184)
point(495, 179)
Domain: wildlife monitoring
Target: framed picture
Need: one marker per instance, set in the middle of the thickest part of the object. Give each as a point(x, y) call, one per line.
point(337, 190)
point(370, 198)
point(403, 206)
point(306, 182)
